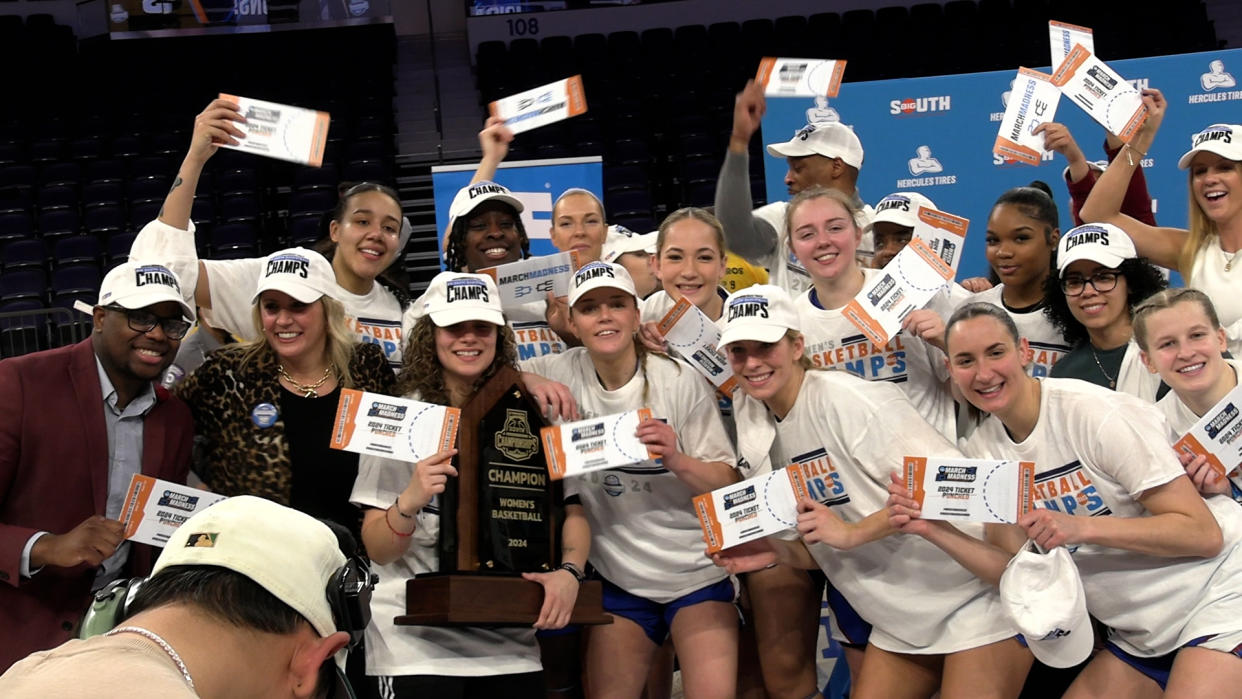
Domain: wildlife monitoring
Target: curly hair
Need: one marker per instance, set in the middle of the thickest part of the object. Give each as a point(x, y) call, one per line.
point(422, 374)
point(1142, 280)
point(454, 247)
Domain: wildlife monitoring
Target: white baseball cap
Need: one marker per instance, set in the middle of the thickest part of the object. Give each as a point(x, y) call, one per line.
point(621, 240)
point(1224, 140)
point(303, 274)
point(1099, 242)
point(289, 553)
point(455, 297)
point(763, 313)
point(135, 284)
point(596, 275)
point(830, 139)
point(901, 208)
point(1043, 596)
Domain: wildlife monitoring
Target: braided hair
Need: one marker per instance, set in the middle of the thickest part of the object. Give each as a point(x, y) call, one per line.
point(454, 247)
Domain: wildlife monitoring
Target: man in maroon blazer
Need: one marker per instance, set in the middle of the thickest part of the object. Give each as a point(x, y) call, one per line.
point(75, 424)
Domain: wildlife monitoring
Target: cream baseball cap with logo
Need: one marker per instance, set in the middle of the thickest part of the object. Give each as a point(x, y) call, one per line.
point(901, 208)
point(301, 273)
point(455, 297)
point(135, 284)
point(763, 313)
point(830, 139)
point(1043, 596)
point(1224, 140)
point(597, 275)
point(1099, 242)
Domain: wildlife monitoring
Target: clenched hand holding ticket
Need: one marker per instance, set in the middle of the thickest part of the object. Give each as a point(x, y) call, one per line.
point(574, 448)
point(154, 508)
point(531, 279)
point(398, 428)
point(906, 284)
point(692, 335)
point(1032, 101)
point(1101, 92)
point(281, 131)
point(1218, 436)
point(971, 490)
point(800, 77)
point(755, 508)
point(541, 106)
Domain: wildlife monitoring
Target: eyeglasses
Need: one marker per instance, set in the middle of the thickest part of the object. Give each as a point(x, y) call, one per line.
point(145, 321)
point(1102, 282)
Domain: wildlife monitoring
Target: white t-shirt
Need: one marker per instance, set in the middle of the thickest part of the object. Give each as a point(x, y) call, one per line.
point(1095, 452)
point(833, 342)
point(1208, 274)
point(374, 317)
point(426, 650)
point(848, 435)
point(1047, 343)
point(645, 537)
point(1134, 378)
point(784, 269)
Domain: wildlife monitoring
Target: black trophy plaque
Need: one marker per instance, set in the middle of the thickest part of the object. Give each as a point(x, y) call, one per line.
point(499, 518)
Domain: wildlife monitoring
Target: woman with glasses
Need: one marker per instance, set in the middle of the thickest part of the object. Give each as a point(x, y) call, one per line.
point(1101, 280)
point(365, 236)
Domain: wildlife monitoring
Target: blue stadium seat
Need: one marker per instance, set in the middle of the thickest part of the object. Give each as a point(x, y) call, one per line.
point(78, 249)
point(23, 284)
point(59, 223)
point(24, 254)
point(233, 241)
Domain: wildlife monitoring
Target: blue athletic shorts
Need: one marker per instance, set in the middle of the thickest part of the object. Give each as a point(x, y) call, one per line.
point(656, 618)
point(1159, 667)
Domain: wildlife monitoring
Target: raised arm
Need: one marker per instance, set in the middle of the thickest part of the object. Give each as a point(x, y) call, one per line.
point(494, 141)
point(1161, 245)
point(747, 235)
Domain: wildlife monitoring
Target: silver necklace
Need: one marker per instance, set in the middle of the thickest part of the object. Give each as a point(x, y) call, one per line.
point(185, 672)
point(1112, 383)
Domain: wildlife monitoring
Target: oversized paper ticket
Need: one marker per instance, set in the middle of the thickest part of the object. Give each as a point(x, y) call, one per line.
point(153, 508)
point(689, 332)
point(943, 232)
point(574, 448)
point(800, 77)
point(971, 490)
point(531, 279)
point(905, 284)
point(398, 428)
point(280, 131)
point(1032, 101)
point(1098, 89)
point(755, 508)
point(543, 105)
point(1062, 36)
point(1218, 436)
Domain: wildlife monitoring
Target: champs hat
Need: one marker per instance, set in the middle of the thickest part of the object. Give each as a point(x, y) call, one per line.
point(289, 553)
point(596, 275)
point(830, 139)
point(621, 240)
point(1099, 242)
point(1042, 595)
point(455, 297)
point(763, 313)
point(901, 208)
point(1224, 140)
point(303, 274)
point(135, 285)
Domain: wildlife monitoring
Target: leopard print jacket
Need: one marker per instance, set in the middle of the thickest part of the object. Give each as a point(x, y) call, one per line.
point(239, 457)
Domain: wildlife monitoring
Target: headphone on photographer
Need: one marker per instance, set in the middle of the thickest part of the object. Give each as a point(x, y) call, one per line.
point(348, 593)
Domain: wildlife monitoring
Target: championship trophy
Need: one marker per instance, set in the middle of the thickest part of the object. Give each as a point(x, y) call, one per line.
point(500, 517)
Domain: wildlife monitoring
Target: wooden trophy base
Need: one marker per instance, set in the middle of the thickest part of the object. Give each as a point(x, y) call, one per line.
point(462, 599)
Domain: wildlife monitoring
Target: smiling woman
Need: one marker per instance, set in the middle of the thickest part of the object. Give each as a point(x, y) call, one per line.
point(363, 242)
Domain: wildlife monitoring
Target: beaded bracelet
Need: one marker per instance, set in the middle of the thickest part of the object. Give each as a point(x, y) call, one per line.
point(394, 529)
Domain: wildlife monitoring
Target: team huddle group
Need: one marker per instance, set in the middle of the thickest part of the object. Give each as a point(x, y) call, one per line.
point(1073, 355)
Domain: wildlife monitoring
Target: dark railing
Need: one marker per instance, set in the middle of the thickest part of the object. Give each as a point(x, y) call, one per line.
point(31, 330)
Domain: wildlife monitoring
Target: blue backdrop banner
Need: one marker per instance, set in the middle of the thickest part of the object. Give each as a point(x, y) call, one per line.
point(536, 182)
point(935, 136)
